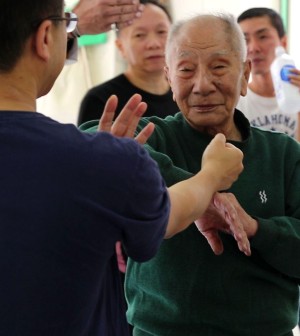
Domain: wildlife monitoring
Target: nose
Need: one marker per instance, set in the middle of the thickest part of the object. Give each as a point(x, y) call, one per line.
point(252, 45)
point(204, 83)
point(154, 41)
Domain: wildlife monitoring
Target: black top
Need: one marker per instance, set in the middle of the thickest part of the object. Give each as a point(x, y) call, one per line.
point(94, 101)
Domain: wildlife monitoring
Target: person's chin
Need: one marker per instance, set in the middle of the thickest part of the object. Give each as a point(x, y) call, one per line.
point(259, 70)
point(203, 118)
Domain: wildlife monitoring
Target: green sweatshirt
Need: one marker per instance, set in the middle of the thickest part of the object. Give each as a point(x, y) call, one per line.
point(186, 290)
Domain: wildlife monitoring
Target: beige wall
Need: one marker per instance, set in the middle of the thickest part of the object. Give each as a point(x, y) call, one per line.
point(293, 30)
point(188, 7)
point(95, 65)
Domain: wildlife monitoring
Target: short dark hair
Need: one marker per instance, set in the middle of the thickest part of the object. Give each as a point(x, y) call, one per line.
point(18, 21)
point(275, 18)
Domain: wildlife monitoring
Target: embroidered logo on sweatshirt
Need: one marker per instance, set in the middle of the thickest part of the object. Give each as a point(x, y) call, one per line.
point(263, 196)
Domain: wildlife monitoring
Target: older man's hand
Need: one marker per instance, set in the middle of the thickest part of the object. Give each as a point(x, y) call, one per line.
point(126, 123)
point(226, 215)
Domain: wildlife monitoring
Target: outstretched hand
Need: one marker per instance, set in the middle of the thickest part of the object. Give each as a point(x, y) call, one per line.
point(222, 216)
point(126, 123)
point(97, 16)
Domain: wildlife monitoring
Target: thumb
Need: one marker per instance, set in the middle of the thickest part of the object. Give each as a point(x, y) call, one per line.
point(220, 137)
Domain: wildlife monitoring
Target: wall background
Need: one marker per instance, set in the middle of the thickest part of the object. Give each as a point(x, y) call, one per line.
point(188, 7)
point(100, 62)
point(294, 29)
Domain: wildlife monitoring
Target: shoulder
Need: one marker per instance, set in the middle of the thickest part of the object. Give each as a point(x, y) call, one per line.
point(253, 104)
point(89, 143)
point(166, 129)
point(167, 122)
point(277, 141)
point(101, 153)
point(170, 122)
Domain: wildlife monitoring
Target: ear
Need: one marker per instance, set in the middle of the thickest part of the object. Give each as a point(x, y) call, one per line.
point(119, 45)
point(166, 70)
point(283, 41)
point(43, 40)
point(245, 77)
point(167, 73)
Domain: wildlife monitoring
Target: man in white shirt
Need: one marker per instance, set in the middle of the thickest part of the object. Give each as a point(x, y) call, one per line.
point(264, 31)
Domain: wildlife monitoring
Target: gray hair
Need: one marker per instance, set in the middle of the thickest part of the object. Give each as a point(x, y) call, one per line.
point(232, 28)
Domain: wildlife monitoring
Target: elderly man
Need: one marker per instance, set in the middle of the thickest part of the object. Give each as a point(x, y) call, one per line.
point(186, 289)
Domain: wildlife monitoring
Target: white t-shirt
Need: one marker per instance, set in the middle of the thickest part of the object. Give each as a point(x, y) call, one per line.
point(264, 112)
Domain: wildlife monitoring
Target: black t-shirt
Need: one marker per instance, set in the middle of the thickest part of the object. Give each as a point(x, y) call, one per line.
point(94, 101)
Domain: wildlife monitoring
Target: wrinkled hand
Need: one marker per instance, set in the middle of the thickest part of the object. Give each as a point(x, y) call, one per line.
point(126, 123)
point(97, 16)
point(223, 214)
point(295, 77)
point(224, 160)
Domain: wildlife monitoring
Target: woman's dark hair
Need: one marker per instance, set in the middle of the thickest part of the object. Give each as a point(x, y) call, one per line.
point(158, 4)
point(18, 20)
point(275, 18)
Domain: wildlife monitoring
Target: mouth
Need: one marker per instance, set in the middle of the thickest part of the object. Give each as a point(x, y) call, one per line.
point(155, 57)
point(205, 108)
point(257, 61)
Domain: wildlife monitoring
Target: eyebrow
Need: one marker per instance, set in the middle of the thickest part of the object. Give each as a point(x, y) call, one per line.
point(259, 31)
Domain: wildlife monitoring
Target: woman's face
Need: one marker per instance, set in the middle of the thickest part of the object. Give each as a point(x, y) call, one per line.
point(142, 44)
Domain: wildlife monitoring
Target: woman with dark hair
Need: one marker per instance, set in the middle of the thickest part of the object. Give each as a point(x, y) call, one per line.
point(142, 46)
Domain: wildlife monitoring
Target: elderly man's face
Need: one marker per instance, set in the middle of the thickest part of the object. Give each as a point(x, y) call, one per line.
point(207, 76)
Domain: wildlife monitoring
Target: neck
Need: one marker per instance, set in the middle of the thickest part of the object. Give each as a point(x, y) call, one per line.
point(262, 85)
point(15, 96)
point(155, 83)
point(230, 130)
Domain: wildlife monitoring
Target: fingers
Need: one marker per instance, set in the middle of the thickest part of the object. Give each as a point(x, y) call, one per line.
point(294, 77)
point(223, 216)
point(127, 127)
point(227, 207)
point(145, 134)
point(224, 205)
point(126, 122)
point(125, 2)
point(229, 145)
point(240, 236)
point(124, 12)
point(230, 157)
point(214, 241)
point(107, 117)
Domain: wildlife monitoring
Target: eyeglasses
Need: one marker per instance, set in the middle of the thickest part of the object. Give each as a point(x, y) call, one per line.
point(70, 18)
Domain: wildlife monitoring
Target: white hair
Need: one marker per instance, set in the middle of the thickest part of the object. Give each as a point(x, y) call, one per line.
point(232, 28)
